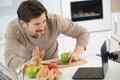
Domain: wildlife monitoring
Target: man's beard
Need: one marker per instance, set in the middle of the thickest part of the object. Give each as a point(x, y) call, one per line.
point(39, 33)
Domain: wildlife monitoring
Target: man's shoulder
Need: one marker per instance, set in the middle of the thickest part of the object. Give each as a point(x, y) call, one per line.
point(14, 27)
point(14, 23)
point(53, 16)
point(50, 16)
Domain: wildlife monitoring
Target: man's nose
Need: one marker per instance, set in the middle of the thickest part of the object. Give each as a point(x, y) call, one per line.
point(41, 27)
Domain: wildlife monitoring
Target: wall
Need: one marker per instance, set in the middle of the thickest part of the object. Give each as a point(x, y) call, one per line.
point(7, 13)
point(115, 5)
point(52, 7)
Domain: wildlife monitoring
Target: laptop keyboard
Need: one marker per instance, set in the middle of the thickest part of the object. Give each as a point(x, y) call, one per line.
point(95, 73)
point(89, 73)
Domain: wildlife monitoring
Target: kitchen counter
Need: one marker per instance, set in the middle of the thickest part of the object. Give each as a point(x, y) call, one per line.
point(93, 61)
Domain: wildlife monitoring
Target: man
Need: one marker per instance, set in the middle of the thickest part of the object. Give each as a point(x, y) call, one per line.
point(32, 36)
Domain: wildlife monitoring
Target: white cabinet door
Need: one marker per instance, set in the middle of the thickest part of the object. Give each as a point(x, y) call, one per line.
point(115, 31)
point(116, 24)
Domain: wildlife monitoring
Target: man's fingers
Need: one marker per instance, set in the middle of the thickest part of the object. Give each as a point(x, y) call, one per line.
point(33, 53)
point(37, 51)
point(70, 55)
point(70, 60)
point(73, 57)
point(42, 54)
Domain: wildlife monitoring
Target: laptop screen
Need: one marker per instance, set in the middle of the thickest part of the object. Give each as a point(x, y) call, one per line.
point(104, 55)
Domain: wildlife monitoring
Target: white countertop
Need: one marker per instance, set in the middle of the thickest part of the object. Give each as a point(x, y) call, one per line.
point(93, 61)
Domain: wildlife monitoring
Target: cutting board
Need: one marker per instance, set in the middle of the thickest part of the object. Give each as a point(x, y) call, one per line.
point(63, 65)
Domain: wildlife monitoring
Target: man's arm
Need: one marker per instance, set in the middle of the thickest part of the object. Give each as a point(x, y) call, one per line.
point(76, 31)
point(11, 52)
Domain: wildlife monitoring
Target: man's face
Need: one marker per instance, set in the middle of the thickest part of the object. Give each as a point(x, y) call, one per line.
point(36, 27)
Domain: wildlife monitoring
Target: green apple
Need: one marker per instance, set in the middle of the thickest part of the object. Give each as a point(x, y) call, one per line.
point(31, 71)
point(64, 57)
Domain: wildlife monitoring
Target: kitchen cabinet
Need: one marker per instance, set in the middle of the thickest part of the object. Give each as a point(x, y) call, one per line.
point(115, 31)
point(115, 10)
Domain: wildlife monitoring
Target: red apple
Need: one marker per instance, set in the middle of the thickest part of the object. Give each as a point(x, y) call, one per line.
point(53, 66)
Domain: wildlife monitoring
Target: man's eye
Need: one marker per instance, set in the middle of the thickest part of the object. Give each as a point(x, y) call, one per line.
point(37, 24)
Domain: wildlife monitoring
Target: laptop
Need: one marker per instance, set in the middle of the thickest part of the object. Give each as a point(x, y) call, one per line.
point(94, 73)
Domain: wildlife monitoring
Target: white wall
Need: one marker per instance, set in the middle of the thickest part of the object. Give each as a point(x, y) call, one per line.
point(7, 13)
point(53, 6)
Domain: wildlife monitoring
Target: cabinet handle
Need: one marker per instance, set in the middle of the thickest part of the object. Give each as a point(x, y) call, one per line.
point(115, 24)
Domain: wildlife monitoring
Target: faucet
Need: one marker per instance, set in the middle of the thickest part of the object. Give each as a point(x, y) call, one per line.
point(20, 74)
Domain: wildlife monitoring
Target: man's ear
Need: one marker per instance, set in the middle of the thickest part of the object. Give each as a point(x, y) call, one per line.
point(23, 23)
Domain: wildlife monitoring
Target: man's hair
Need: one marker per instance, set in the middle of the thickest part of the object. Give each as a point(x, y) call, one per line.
point(30, 9)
